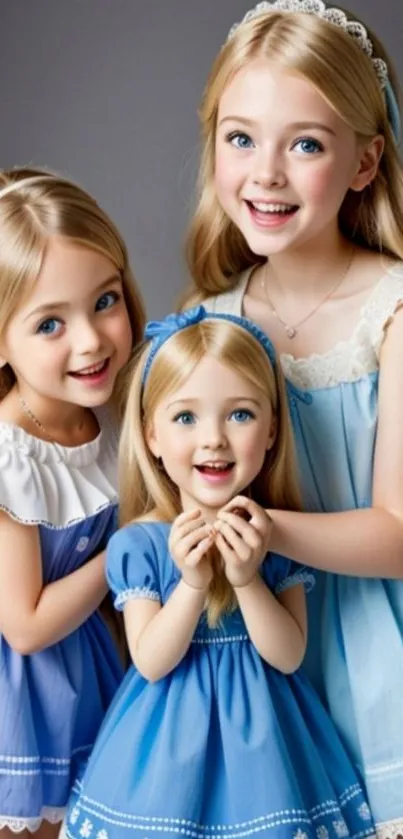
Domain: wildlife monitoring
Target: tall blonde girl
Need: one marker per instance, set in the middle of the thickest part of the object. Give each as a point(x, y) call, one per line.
point(299, 227)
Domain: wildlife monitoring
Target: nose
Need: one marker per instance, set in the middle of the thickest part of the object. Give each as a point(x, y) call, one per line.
point(213, 434)
point(87, 338)
point(269, 169)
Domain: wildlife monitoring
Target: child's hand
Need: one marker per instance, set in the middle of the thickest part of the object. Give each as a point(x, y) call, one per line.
point(243, 544)
point(189, 541)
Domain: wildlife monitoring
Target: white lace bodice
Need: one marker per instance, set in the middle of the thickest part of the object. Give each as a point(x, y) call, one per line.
point(348, 360)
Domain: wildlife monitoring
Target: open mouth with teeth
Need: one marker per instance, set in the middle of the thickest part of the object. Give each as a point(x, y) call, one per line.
point(92, 372)
point(269, 209)
point(217, 469)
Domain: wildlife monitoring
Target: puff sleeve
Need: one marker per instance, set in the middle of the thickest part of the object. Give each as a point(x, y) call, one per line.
point(132, 567)
point(281, 573)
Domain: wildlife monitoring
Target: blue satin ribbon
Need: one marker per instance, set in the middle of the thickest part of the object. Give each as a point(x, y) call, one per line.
point(159, 331)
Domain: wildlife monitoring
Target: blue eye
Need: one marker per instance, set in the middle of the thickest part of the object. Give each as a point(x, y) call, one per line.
point(185, 418)
point(50, 326)
point(240, 140)
point(107, 301)
point(308, 145)
point(242, 415)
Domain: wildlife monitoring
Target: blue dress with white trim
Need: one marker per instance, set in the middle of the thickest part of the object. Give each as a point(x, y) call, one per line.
point(224, 745)
point(52, 702)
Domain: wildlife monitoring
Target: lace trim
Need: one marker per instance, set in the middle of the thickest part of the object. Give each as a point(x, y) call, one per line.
point(357, 356)
point(54, 815)
point(385, 768)
point(389, 830)
point(348, 360)
point(304, 577)
point(138, 593)
point(222, 639)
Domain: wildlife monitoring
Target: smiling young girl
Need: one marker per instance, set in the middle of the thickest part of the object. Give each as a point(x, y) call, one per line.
point(215, 730)
point(300, 228)
point(70, 314)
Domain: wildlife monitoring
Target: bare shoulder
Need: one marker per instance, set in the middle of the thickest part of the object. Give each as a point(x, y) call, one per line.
point(371, 266)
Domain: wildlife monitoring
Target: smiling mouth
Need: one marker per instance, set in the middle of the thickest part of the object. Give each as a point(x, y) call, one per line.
point(272, 208)
point(92, 370)
point(221, 467)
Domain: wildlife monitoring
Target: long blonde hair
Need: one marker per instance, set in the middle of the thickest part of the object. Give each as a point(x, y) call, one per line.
point(34, 206)
point(338, 68)
point(144, 486)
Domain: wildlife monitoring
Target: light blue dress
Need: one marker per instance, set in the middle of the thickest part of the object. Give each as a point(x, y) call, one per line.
point(52, 702)
point(224, 745)
point(355, 654)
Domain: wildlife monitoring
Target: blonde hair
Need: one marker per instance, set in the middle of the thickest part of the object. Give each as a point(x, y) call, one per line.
point(144, 486)
point(34, 206)
point(330, 59)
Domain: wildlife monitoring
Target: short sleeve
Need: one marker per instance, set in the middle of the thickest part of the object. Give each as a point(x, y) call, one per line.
point(132, 568)
point(282, 573)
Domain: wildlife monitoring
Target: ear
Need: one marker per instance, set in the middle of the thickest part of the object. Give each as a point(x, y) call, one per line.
point(152, 441)
point(272, 433)
point(368, 166)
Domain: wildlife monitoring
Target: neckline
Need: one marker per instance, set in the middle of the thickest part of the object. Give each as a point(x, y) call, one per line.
point(50, 452)
point(295, 361)
point(33, 439)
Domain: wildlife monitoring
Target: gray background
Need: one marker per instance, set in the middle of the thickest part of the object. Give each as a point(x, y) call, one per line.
point(106, 91)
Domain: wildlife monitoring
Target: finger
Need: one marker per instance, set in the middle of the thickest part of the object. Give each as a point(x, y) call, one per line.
point(244, 529)
point(194, 556)
point(259, 519)
point(189, 527)
point(238, 545)
point(188, 516)
point(189, 542)
point(242, 503)
point(227, 554)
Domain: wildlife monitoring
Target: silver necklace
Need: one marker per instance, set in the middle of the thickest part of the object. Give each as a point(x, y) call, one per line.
point(291, 330)
point(31, 415)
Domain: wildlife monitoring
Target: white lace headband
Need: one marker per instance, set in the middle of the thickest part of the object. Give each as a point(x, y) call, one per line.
point(332, 15)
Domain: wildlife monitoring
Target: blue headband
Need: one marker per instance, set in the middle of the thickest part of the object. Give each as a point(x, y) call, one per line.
point(159, 331)
point(393, 111)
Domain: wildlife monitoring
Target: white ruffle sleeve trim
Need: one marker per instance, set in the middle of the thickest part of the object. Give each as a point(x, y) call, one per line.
point(53, 485)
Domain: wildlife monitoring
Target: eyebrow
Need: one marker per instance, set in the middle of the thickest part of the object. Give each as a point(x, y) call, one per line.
point(295, 126)
point(61, 304)
point(235, 399)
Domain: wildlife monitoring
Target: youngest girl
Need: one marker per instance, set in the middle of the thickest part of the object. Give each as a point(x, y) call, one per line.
point(215, 730)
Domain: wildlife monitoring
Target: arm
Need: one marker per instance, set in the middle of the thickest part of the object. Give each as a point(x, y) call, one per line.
point(34, 616)
point(277, 625)
point(365, 543)
point(158, 637)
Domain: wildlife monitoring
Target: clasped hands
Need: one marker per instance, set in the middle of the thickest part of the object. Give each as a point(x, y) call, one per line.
point(242, 544)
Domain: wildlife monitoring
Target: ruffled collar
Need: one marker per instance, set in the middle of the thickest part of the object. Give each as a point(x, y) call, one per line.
point(47, 483)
